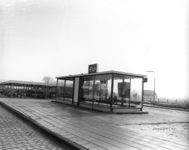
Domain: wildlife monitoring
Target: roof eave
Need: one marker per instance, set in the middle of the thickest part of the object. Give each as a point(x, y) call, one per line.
point(101, 73)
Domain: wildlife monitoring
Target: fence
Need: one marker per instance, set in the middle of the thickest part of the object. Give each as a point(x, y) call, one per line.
point(184, 103)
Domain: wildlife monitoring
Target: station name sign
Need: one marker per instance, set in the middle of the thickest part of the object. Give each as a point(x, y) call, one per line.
point(93, 68)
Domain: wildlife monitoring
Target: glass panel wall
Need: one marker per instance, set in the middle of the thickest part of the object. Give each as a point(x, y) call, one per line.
point(96, 91)
point(136, 92)
point(65, 90)
point(121, 91)
point(86, 93)
point(60, 89)
point(102, 90)
point(68, 91)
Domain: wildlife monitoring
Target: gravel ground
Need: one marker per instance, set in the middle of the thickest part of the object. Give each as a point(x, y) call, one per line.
point(172, 130)
point(15, 134)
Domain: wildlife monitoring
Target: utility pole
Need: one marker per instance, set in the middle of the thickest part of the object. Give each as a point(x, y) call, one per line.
point(154, 84)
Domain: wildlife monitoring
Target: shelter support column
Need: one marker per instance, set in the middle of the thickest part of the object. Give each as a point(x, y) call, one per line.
point(112, 87)
point(142, 94)
point(57, 89)
point(93, 91)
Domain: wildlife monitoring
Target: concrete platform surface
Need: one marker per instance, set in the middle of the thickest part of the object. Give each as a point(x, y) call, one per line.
point(99, 131)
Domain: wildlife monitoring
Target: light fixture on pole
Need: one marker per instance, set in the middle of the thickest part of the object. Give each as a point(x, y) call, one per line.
point(154, 83)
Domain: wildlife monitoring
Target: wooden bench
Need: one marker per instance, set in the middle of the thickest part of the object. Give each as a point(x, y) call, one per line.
point(135, 102)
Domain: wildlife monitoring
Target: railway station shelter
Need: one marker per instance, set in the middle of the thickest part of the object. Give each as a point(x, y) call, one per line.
point(109, 91)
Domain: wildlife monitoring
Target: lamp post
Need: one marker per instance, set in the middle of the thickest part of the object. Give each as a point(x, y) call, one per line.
point(154, 83)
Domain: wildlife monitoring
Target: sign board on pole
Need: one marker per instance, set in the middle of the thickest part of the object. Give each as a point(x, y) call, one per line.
point(93, 68)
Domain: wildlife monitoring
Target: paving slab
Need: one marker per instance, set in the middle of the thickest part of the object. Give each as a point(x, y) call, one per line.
point(96, 130)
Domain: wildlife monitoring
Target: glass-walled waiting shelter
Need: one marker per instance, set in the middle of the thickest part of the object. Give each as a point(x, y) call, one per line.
point(109, 91)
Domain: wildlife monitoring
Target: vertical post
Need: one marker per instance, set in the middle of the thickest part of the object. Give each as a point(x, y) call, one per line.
point(88, 86)
point(57, 90)
point(73, 91)
point(122, 91)
point(79, 94)
point(93, 91)
point(142, 94)
point(154, 88)
point(130, 93)
point(106, 89)
point(100, 91)
point(154, 84)
point(64, 91)
point(111, 104)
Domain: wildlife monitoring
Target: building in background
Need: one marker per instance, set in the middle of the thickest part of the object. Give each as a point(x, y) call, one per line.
point(149, 95)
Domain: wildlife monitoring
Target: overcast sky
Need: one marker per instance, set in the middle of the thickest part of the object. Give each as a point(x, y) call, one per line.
point(60, 37)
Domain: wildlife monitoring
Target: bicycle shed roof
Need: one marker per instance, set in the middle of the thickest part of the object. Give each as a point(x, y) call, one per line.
point(15, 82)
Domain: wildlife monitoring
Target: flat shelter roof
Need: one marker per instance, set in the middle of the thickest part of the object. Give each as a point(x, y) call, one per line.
point(25, 83)
point(102, 73)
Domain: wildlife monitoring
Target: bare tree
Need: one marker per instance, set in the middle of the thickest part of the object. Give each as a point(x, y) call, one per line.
point(48, 80)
